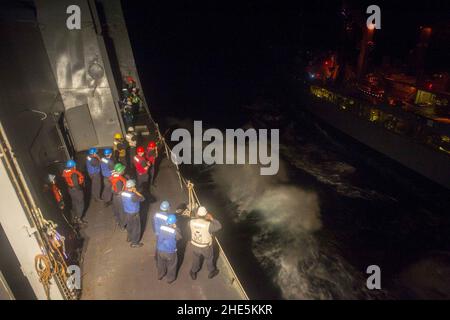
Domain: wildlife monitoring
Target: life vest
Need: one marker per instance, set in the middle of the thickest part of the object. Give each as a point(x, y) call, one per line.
point(129, 206)
point(137, 164)
point(56, 193)
point(159, 220)
point(200, 233)
point(67, 175)
point(91, 169)
point(105, 165)
point(115, 177)
point(167, 241)
point(119, 146)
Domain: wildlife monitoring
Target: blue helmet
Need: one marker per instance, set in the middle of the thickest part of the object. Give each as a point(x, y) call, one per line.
point(92, 151)
point(171, 219)
point(107, 152)
point(165, 205)
point(70, 163)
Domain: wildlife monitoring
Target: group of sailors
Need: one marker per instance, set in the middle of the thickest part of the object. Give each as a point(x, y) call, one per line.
point(119, 185)
point(120, 177)
point(167, 233)
point(126, 195)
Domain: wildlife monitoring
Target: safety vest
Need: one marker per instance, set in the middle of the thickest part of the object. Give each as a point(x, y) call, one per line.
point(200, 233)
point(105, 165)
point(131, 139)
point(135, 99)
point(91, 169)
point(115, 177)
point(151, 155)
point(119, 146)
point(129, 206)
point(167, 239)
point(67, 175)
point(137, 164)
point(159, 220)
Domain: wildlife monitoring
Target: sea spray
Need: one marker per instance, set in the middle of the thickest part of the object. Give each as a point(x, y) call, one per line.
point(288, 240)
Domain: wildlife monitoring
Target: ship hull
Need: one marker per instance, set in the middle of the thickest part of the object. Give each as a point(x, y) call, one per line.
point(415, 156)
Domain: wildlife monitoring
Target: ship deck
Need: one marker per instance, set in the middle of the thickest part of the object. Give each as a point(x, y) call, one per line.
point(111, 269)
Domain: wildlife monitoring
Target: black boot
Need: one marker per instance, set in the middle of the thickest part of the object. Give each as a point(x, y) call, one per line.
point(212, 274)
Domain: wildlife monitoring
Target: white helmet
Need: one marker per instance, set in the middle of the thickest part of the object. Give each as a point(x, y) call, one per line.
point(201, 212)
point(130, 129)
point(130, 183)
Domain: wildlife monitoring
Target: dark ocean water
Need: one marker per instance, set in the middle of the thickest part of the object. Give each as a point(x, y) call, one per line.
point(334, 208)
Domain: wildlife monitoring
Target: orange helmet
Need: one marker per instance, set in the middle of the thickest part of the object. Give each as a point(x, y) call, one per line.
point(140, 150)
point(151, 145)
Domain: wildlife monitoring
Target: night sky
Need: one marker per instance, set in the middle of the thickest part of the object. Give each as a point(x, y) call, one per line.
point(206, 60)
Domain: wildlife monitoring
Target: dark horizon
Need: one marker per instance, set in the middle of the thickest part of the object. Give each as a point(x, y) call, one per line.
point(213, 58)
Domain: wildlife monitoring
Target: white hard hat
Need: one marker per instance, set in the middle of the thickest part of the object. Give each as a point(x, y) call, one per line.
point(130, 129)
point(201, 212)
point(130, 183)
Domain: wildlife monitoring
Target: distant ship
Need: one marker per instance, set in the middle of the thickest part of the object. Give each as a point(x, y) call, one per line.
point(416, 137)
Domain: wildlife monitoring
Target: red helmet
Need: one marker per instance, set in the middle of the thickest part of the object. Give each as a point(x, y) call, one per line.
point(151, 145)
point(140, 150)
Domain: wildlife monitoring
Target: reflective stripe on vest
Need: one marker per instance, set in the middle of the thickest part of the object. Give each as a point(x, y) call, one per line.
point(106, 171)
point(129, 206)
point(159, 220)
point(200, 233)
point(167, 240)
point(90, 168)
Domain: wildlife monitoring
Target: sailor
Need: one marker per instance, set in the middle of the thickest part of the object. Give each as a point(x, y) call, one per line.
point(120, 149)
point(93, 169)
point(131, 201)
point(202, 227)
point(142, 166)
point(57, 194)
point(160, 217)
point(127, 111)
point(131, 138)
point(118, 183)
point(75, 181)
point(107, 166)
point(166, 249)
point(130, 83)
point(151, 154)
point(135, 100)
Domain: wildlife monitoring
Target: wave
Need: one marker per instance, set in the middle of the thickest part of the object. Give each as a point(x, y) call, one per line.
point(288, 242)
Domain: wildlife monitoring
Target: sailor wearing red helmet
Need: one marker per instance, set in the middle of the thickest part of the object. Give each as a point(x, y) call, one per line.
point(151, 155)
point(142, 165)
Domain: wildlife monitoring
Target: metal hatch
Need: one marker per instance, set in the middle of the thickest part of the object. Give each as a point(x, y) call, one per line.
point(81, 127)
